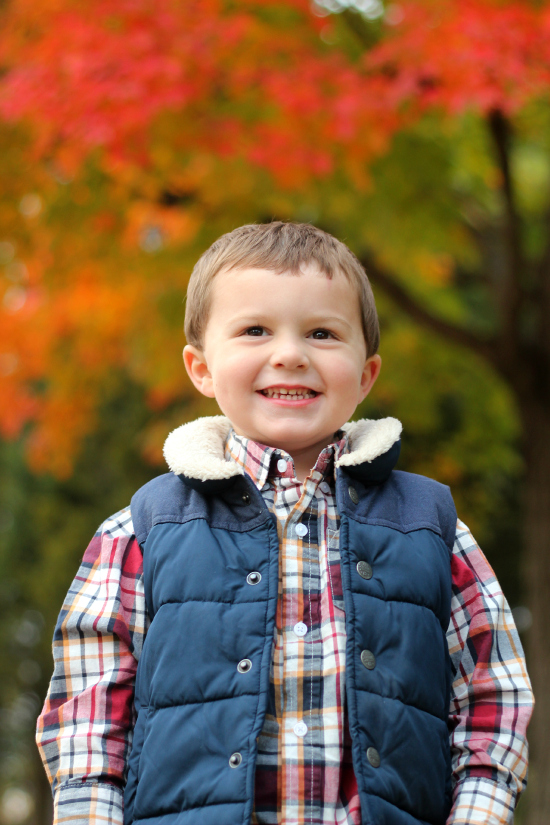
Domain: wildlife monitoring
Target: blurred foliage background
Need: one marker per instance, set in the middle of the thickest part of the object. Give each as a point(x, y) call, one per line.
point(131, 138)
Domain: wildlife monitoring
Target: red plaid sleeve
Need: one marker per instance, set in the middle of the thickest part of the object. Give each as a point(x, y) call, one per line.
point(84, 730)
point(491, 701)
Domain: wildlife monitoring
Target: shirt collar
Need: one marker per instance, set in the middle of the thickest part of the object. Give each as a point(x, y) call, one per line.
point(260, 462)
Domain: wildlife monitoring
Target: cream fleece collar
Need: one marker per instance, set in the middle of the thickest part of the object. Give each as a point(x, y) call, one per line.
point(196, 450)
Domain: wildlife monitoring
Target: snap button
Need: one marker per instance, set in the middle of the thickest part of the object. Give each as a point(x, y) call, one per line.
point(301, 530)
point(244, 666)
point(353, 494)
point(300, 729)
point(368, 659)
point(246, 498)
point(300, 629)
point(325, 486)
point(235, 760)
point(374, 757)
point(281, 465)
point(364, 569)
point(254, 577)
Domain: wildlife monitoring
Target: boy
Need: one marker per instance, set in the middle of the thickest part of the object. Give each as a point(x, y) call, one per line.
point(283, 629)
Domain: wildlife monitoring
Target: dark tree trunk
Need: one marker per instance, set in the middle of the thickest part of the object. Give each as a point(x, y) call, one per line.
point(536, 420)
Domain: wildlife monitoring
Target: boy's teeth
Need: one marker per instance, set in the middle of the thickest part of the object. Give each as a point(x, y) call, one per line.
point(278, 392)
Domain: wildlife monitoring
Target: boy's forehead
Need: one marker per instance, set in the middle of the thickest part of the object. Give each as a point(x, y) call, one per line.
point(226, 278)
point(240, 286)
point(248, 291)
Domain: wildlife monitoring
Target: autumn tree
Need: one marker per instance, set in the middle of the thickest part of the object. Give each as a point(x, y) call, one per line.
point(419, 132)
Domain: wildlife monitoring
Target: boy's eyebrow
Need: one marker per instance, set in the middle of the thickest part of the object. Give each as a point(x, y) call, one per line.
point(332, 318)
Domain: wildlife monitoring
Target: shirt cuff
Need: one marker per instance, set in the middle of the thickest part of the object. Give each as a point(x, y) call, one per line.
point(88, 802)
point(480, 801)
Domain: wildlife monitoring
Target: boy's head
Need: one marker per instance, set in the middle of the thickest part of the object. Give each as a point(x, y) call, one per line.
point(283, 332)
point(280, 247)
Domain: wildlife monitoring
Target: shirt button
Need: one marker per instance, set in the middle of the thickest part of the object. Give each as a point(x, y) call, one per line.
point(281, 465)
point(300, 729)
point(301, 530)
point(325, 486)
point(300, 629)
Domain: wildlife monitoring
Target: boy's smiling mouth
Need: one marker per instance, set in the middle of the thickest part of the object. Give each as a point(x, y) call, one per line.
point(290, 394)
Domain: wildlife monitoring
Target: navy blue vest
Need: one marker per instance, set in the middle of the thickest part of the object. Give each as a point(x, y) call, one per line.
point(195, 710)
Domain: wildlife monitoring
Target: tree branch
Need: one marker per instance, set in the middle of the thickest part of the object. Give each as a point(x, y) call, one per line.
point(511, 292)
point(486, 347)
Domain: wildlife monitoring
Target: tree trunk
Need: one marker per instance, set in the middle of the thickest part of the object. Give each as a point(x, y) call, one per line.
point(536, 420)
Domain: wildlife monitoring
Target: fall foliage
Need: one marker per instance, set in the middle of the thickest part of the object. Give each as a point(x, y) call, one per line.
point(157, 97)
point(132, 133)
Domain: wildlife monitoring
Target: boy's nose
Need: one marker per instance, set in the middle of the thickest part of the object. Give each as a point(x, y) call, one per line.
point(289, 354)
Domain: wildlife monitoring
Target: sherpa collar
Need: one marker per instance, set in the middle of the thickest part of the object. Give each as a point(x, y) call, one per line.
point(196, 450)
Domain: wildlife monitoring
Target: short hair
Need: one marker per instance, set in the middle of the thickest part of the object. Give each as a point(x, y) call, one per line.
point(279, 246)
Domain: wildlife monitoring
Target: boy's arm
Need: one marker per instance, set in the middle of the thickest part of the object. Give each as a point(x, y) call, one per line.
point(491, 698)
point(84, 730)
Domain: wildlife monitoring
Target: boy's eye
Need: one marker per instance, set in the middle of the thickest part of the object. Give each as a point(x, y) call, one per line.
point(255, 331)
point(321, 334)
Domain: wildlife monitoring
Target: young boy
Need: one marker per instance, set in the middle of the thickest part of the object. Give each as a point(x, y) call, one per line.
point(284, 629)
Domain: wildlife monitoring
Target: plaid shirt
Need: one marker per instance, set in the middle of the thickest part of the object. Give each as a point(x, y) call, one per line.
point(304, 771)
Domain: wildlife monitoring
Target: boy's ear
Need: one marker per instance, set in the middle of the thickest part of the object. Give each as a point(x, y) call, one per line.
point(371, 371)
point(197, 370)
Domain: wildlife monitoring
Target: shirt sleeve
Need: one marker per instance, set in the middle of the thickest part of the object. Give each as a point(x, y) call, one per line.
point(84, 731)
point(491, 697)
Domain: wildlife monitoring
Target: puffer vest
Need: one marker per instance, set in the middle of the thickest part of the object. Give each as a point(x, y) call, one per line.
point(198, 716)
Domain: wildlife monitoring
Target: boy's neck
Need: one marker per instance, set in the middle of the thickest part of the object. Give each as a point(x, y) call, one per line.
point(304, 464)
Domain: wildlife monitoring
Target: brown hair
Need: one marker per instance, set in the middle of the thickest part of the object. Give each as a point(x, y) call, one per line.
point(279, 247)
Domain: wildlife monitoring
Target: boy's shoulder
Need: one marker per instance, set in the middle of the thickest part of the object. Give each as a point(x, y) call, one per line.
point(231, 503)
point(163, 497)
point(406, 502)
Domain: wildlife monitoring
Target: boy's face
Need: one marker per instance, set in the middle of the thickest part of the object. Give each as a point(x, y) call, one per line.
point(284, 356)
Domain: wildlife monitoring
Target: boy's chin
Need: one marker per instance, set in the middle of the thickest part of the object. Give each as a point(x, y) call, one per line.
point(291, 441)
